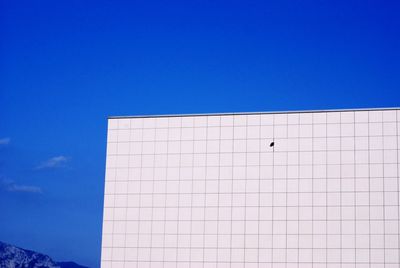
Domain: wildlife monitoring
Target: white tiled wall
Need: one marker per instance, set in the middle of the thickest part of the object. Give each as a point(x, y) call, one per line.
point(209, 191)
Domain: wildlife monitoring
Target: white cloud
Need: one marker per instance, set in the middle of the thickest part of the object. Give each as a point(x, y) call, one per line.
point(54, 162)
point(24, 188)
point(10, 186)
point(5, 141)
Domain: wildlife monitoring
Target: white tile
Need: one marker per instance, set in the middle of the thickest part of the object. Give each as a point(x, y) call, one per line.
point(226, 120)
point(112, 123)
point(319, 130)
point(200, 121)
point(187, 122)
point(267, 119)
point(149, 122)
point(305, 131)
point(123, 135)
point(213, 133)
point(293, 118)
point(187, 134)
point(390, 129)
point(213, 121)
point(253, 120)
point(389, 142)
point(375, 129)
point(240, 120)
point(375, 116)
point(174, 134)
point(136, 123)
point(307, 118)
point(333, 130)
point(347, 117)
point(200, 133)
point(123, 123)
point(136, 135)
point(347, 130)
point(280, 119)
point(333, 117)
point(112, 135)
point(389, 116)
point(361, 116)
point(361, 129)
point(253, 132)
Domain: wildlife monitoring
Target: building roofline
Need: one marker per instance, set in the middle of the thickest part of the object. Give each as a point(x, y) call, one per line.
point(255, 113)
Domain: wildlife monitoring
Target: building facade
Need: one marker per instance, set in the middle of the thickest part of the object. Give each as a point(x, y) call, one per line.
point(304, 189)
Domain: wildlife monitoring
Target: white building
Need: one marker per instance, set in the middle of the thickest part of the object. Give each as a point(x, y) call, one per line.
point(212, 191)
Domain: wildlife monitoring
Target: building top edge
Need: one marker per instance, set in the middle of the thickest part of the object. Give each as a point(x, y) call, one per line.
point(255, 113)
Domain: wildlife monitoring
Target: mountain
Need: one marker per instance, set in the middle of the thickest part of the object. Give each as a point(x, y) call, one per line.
point(15, 257)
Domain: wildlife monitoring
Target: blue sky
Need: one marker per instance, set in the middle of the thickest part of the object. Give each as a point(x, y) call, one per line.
point(66, 65)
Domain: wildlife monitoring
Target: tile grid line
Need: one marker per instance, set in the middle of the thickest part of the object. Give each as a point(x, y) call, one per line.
point(172, 247)
point(298, 198)
point(205, 197)
point(326, 193)
point(256, 152)
point(354, 182)
point(112, 240)
point(365, 264)
point(328, 150)
point(139, 212)
point(384, 197)
point(259, 195)
point(286, 203)
point(312, 199)
point(191, 209)
point(263, 125)
point(152, 209)
point(264, 192)
point(369, 188)
point(245, 208)
point(340, 194)
point(218, 210)
point(289, 220)
point(179, 195)
point(126, 211)
point(273, 193)
point(374, 164)
point(231, 232)
point(265, 262)
point(398, 186)
point(165, 208)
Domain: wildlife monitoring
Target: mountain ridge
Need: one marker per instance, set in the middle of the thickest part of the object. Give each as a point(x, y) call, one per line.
point(16, 257)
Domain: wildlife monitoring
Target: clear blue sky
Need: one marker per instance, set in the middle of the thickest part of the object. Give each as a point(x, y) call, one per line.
point(66, 65)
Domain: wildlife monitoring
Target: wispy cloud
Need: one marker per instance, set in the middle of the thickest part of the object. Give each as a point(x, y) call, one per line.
point(5, 141)
point(10, 186)
point(54, 162)
point(24, 188)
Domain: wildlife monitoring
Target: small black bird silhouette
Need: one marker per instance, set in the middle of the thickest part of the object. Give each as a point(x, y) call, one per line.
point(272, 144)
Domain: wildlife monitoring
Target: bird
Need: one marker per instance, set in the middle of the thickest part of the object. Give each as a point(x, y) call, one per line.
point(272, 144)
